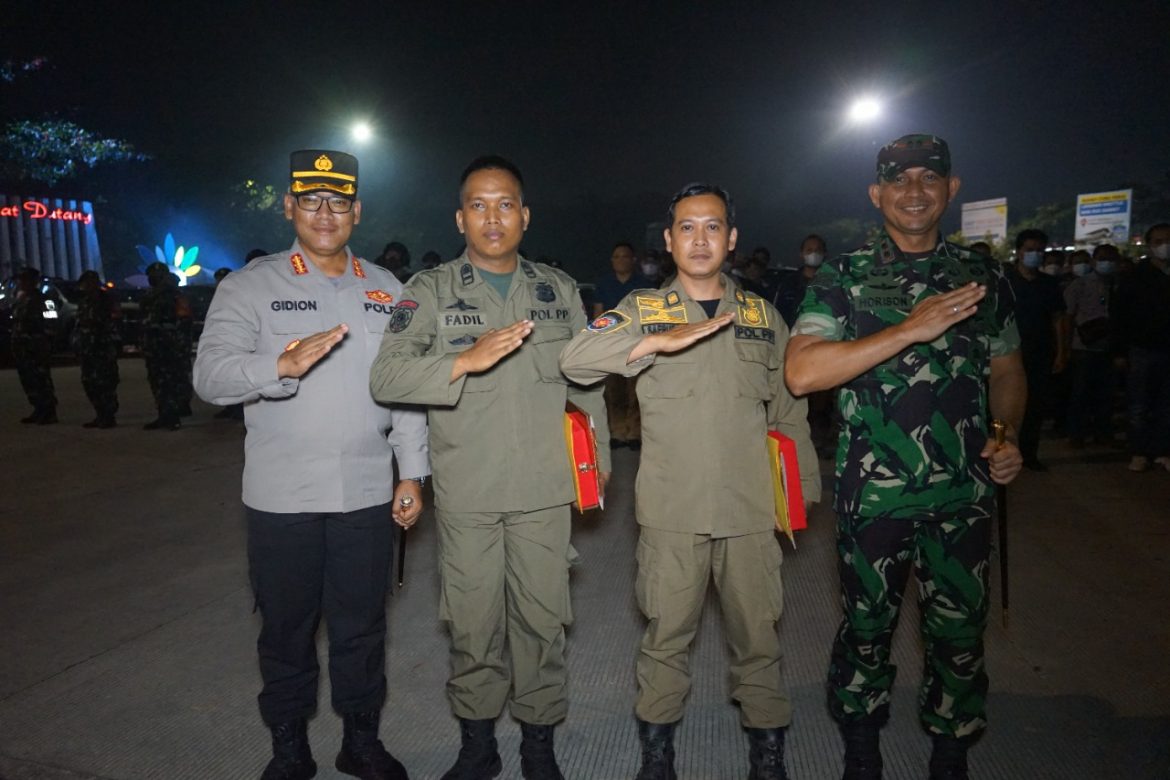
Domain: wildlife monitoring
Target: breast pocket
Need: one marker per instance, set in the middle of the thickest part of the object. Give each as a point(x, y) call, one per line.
point(671, 376)
point(756, 364)
point(545, 344)
point(287, 327)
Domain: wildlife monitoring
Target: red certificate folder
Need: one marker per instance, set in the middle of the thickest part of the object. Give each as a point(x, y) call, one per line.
point(790, 514)
point(581, 443)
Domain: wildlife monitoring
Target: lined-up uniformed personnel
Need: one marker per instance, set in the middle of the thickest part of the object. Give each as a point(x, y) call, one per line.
point(292, 336)
point(98, 315)
point(709, 361)
point(166, 347)
point(32, 348)
point(921, 337)
point(476, 340)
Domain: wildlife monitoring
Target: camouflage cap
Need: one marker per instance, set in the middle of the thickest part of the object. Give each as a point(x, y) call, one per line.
point(913, 151)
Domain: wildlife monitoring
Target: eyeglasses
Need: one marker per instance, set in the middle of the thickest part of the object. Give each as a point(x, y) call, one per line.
point(311, 201)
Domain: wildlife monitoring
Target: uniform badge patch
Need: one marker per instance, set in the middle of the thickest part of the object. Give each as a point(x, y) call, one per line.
point(751, 312)
point(298, 264)
point(466, 275)
point(672, 299)
point(544, 292)
point(358, 271)
point(462, 305)
point(740, 298)
point(292, 345)
point(463, 341)
point(608, 322)
point(379, 296)
point(655, 310)
point(401, 316)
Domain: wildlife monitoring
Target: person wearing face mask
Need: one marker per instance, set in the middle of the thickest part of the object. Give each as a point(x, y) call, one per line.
point(1040, 316)
point(651, 268)
point(791, 287)
point(1090, 331)
point(1053, 264)
point(1142, 312)
point(1080, 263)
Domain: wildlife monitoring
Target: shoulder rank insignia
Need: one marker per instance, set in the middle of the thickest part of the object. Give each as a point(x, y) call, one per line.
point(609, 322)
point(379, 296)
point(298, 264)
point(751, 311)
point(528, 270)
point(672, 298)
point(740, 298)
point(652, 309)
point(544, 292)
point(401, 316)
point(358, 271)
point(465, 274)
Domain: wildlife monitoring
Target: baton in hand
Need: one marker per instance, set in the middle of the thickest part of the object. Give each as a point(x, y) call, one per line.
point(405, 501)
point(1001, 505)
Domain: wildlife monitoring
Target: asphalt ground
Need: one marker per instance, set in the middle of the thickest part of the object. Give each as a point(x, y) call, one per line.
point(127, 632)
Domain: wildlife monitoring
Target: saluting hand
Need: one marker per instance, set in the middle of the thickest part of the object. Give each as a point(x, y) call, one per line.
point(297, 361)
point(933, 316)
point(679, 338)
point(491, 348)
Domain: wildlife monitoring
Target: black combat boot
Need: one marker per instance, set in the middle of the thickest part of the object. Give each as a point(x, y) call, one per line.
point(657, 751)
point(48, 416)
point(863, 756)
point(291, 757)
point(168, 423)
point(479, 757)
point(766, 756)
point(362, 754)
point(948, 760)
point(94, 423)
point(537, 760)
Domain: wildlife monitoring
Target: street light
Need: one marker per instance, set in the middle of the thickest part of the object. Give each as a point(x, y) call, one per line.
point(865, 109)
point(361, 132)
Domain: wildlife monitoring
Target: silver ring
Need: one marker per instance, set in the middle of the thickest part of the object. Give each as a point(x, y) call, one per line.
point(406, 501)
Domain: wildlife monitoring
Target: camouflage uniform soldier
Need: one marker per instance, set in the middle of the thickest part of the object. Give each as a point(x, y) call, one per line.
point(166, 347)
point(97, 348)
point(32, 348)
point(913, 329)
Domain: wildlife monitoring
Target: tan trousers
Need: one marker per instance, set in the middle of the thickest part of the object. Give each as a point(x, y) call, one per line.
point(505, 580)
point(673, 572)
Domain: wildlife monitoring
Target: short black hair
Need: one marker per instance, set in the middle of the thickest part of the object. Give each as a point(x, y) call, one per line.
point(627, 245)
point(253, 254)
point(491, 162)
point(1031, 234)
point(699, 188)
point(1150, 231)
point(810, 237)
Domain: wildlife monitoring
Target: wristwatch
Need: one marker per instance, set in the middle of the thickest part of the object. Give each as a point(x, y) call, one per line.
point(422, 481)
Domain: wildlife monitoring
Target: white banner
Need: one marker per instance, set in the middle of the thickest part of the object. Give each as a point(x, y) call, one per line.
point(985, 220)
point(1103, 218)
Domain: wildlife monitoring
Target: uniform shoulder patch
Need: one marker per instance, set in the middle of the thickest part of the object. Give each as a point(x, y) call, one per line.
point(401, 316)
point(544, 292)
point(608, 322)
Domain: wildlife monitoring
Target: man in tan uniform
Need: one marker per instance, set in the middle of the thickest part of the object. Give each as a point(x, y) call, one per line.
point(476, 340)
point(711, 384)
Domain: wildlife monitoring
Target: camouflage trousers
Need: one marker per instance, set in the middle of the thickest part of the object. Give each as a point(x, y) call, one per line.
point(99, 377)
point(169, 373)
point(32, 366)
point(950, 561)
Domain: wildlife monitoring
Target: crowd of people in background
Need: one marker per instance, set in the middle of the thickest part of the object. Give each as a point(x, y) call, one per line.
point(1095, 326)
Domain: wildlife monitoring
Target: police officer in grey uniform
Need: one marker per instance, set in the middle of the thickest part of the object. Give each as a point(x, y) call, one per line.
point(709, 361)
point(292, 336)
point(476, 340)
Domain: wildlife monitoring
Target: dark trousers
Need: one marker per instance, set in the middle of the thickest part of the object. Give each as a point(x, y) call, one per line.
point(1038, 370)
point(303, 566)
point(1090, 409)
point(1147, 388)
point(949, 557)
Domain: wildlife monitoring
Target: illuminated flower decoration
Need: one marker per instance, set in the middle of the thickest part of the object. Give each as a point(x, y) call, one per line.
point(180, 259)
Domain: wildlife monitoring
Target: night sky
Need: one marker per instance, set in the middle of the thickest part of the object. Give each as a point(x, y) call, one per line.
point(607, 109)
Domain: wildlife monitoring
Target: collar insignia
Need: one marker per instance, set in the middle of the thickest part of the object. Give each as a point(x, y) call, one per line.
point(298, 264)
